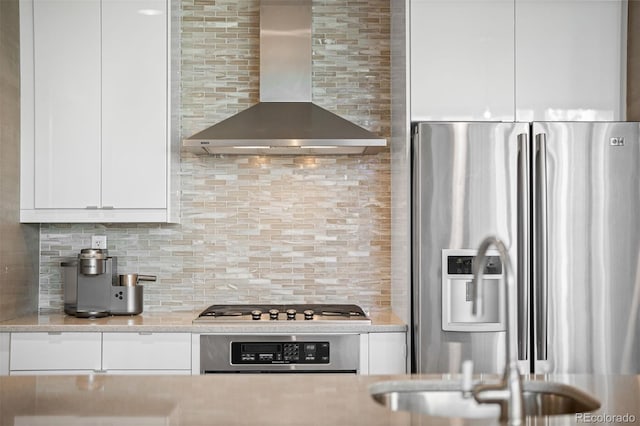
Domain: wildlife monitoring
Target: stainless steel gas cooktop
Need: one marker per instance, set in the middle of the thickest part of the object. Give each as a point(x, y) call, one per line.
point(270, 313)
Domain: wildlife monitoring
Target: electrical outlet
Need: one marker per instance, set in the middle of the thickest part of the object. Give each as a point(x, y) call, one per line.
point(99, 241)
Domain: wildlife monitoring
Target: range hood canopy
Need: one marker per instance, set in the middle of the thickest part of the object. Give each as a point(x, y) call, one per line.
point(285, 121)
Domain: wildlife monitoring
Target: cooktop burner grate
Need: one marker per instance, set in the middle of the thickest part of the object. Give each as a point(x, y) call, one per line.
point(273, 312)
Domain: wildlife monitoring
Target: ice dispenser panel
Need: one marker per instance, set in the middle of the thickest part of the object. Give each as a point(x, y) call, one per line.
point(457, 292)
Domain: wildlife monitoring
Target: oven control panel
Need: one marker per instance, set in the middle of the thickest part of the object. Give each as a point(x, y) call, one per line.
point(280, 352)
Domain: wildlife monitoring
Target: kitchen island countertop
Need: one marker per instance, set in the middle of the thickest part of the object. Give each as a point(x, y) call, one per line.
point(247, 399)
point(182, 322)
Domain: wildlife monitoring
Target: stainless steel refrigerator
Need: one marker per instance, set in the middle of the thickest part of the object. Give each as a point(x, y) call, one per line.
point(565, 199)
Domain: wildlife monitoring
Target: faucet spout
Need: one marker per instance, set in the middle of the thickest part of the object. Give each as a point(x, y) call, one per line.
point(507, 393)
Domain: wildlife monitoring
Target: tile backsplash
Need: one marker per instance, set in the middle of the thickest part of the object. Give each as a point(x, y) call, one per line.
point(254, 228)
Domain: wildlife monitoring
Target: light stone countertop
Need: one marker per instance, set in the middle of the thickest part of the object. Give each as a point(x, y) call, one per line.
point(182, 322)
point(248, 399)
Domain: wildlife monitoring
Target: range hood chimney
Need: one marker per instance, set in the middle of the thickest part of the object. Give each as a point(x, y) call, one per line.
point(285, 121)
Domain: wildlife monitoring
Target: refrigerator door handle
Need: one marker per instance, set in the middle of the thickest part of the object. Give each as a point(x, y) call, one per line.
point(541, 245)
point(523, 278)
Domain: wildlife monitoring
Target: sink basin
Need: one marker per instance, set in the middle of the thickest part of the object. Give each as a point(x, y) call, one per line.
point(445, 399)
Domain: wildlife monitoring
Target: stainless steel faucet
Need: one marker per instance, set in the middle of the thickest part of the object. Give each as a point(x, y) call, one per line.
point(507, 393)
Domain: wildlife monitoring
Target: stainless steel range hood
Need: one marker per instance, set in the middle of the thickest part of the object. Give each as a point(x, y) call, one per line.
point(285, 121)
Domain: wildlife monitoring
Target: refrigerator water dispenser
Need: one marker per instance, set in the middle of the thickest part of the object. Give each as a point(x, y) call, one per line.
point(457, 292)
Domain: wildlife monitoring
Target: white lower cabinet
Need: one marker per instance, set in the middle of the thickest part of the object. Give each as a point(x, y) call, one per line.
point(387, 353)
point(146, 352)
point(110, 353)
point(32, 353)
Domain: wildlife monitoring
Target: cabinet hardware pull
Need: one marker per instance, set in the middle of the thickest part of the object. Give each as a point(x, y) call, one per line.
point(92, 207)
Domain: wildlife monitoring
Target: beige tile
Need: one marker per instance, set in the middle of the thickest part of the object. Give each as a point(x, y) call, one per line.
point(281, 229)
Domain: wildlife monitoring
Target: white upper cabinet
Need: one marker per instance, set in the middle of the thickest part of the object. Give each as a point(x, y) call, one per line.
point(524, 60)
point(134, 103)
point(67, 103)
point(95, 102)
point(571, 60)
point(462, 60)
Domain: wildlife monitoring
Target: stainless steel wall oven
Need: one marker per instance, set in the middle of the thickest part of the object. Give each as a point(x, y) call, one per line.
point(308, 353)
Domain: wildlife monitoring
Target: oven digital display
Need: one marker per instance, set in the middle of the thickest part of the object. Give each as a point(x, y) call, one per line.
point(280, 353)
point(256, 348)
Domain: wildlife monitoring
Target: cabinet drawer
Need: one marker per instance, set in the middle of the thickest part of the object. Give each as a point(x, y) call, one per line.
point(142, 351)
point(55, 351)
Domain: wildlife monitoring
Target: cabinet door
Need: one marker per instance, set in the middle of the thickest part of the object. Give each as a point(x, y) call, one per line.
point(54, 351)
point(144, 351)
point(67, 103)
point(462, 60)
point(570, 60)
point(387, 353)
point(134, 103)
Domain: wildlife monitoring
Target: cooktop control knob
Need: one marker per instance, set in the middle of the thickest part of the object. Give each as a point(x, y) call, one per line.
point(273, 314)
point(308, 314)
point(291, 314)
point(256, 314)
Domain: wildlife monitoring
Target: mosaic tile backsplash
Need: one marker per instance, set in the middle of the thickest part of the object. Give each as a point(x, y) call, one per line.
point(253, 228)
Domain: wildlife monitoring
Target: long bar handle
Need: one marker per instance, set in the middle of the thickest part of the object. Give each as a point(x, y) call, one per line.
point(146, 277)
point(523, 276)
point(541, 246)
